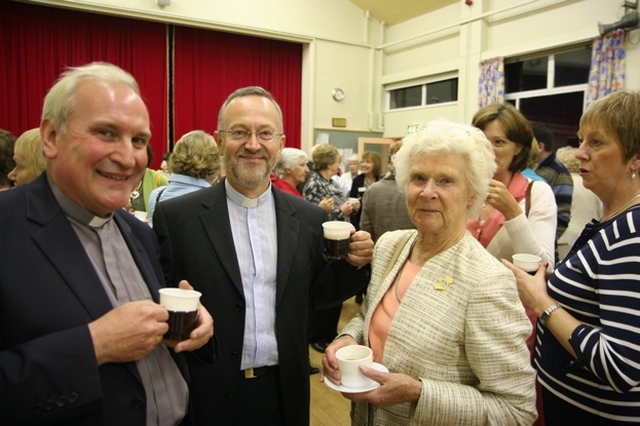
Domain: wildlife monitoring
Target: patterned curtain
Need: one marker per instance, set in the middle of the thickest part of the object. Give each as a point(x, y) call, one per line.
point(491, 82)
point(607, 66)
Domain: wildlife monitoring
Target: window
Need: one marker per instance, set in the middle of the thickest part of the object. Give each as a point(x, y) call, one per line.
point(551, 89)
point(428, 93)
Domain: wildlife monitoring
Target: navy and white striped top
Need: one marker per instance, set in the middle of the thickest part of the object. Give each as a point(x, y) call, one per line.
point(598, 283)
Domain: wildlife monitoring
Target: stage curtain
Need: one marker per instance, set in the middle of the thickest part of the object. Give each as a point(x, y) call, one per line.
point(210, 65)
point(39, 42)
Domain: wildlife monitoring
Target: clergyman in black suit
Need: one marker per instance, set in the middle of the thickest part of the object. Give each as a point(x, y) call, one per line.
point(80, 327)
point(256, 254)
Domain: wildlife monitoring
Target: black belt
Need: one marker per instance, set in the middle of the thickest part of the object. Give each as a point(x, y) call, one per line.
point(252, 373)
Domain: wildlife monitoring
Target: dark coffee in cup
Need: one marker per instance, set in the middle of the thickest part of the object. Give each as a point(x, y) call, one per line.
point(336, 249)
point(182, 305)
point(181, 324)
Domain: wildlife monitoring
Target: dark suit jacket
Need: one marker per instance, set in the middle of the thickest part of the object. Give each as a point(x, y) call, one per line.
point(197, 245)
point(49, 292)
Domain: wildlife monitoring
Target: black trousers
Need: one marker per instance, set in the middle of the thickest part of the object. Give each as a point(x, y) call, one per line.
point(259, 402)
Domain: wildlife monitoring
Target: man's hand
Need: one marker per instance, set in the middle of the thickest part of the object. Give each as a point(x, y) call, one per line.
point(128, 332)
point(360, 249)
point(200, 335)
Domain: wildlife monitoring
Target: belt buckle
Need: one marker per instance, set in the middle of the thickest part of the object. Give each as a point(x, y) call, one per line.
point(249, 373)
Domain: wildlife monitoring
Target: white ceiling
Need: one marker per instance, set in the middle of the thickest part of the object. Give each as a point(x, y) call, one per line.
point(396, 11)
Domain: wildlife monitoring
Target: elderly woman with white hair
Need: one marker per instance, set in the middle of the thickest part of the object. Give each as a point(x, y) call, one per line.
point(290, 170)
point(441, 313)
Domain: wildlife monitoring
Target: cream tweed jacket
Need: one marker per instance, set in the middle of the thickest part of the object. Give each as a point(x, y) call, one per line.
point(460, 330)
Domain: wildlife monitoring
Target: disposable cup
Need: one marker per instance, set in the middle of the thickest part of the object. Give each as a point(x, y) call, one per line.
point(182, 305)
point(527, 262)
point(337, 235)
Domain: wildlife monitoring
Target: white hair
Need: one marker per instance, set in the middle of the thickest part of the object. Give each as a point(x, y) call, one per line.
point(446, 137)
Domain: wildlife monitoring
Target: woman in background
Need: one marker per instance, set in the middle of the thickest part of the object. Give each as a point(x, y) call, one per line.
point(371, 166)
point(519, 215)
point(507, 224)
point(7, 142)
point(194, 165)
point(30, 161)
point(585, 205)
point(320, 185)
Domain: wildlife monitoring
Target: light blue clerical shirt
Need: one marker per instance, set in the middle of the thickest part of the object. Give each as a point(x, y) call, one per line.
point(253, 225)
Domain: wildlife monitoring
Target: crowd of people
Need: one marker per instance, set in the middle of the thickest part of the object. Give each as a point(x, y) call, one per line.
point(90, 233)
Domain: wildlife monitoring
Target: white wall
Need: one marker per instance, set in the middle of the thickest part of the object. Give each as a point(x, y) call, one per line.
point(346, 48)
point(461, 36)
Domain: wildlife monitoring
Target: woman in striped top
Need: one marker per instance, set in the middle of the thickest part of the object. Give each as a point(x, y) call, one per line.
point(588, 335)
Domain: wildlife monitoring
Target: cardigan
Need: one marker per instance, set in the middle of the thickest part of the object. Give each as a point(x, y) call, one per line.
point(465, 342)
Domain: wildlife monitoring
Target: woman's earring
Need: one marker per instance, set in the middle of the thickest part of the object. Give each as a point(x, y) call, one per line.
point(633, 174)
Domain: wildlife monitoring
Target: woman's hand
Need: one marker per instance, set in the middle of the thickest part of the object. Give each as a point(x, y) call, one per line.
point(501, 199)
point(326, 203)
point(394, 389)
point(532, 289)
point(346, 208)
point(329, 361)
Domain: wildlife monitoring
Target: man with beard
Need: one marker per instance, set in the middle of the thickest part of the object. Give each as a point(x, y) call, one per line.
point(256, 254)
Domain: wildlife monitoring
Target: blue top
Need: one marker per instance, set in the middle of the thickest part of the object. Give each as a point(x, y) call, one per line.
point(178, 185)
point(598, 283)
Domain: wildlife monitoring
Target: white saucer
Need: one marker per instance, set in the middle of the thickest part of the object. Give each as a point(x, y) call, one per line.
point(372, 386)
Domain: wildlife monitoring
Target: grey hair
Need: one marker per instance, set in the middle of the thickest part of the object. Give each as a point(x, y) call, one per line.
point(250, 91)
point(60, 100)
point(446, 137)
point(289, 158)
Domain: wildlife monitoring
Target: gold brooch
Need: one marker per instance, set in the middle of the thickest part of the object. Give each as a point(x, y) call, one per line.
point(443, 283)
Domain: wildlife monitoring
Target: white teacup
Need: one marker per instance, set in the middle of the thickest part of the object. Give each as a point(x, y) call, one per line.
point(527, 262)
point(350, 358)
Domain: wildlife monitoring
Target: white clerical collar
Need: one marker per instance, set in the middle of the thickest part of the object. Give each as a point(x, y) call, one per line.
point(243, 201)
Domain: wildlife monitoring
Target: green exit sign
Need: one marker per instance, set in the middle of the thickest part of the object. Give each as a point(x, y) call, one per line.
point(412, 128)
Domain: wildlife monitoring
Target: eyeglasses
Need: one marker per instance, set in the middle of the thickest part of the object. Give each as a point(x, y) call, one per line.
point(243, 135)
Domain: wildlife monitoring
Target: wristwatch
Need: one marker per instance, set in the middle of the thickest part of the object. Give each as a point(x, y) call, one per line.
point(547, 313)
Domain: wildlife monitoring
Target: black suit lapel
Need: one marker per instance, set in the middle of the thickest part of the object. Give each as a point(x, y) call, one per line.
point(215, 221)
point(288, 230)
point(72, 263)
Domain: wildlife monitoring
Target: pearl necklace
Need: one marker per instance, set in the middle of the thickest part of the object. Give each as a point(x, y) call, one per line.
point(622, 208)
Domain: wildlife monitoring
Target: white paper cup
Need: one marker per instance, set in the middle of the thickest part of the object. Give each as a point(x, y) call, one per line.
point(140, 214)
point(354, 200)
point(527, 262)
point(350, 358)
point(337, 236)
point(183, 310)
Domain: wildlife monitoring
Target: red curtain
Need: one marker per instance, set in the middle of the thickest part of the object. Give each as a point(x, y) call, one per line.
point(38, 42)
point(210, 65)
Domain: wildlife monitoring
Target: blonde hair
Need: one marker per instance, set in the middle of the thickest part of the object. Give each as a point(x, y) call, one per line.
point(567, 156)
point(29, 146)
point(196, 155)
